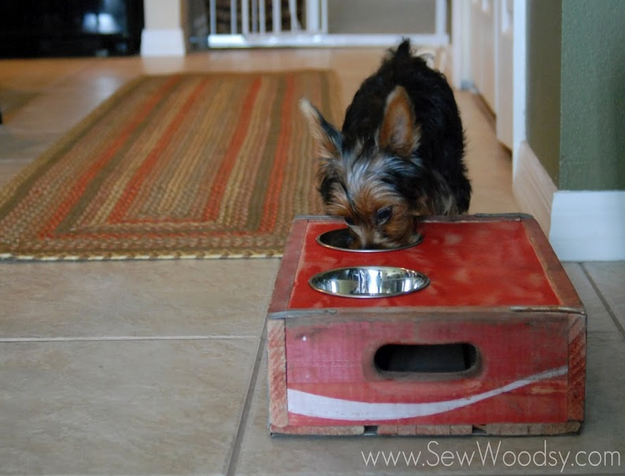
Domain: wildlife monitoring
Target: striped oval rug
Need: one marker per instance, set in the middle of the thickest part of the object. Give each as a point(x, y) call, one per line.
point(182, 166)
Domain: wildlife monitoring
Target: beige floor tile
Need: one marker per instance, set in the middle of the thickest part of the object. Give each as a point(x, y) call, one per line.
point(103, 72)
point(138, 299)
point(10, 168)
point(59, 109)
point(150, 407)
point(20, 146)
point(598, 317)
point(13, 99)
point(240, 60)
point(610, 279)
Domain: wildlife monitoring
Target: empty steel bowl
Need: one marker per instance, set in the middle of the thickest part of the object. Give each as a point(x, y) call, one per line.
point(341, 240)
point(369, 281)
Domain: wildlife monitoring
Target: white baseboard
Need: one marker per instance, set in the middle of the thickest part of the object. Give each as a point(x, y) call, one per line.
point(304, 39)
point(163, 42)
point(581, 225)
point(532, 187)
point(588, 225)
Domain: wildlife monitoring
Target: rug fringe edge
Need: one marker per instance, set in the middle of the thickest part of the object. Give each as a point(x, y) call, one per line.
point(142, 257)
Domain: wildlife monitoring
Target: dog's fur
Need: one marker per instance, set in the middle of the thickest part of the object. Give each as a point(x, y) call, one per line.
point(399, 155)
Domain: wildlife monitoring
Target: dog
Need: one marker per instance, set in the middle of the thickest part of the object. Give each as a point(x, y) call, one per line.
point(399, 155)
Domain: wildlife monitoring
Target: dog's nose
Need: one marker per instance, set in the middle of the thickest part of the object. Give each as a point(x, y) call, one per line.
point(371, 245)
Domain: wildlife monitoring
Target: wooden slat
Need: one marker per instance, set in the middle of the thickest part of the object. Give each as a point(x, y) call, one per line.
point(432, 430)
point(288, 267)
point(577, 368)
point(553, 268)
point(276, 357)
point(318, 430)
point(533, 429)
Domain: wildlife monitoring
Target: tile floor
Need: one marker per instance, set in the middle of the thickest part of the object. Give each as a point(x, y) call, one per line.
point(158, 367)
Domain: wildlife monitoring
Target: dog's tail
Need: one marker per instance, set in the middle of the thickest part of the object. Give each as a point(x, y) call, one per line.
point(404, 54)
point(404, 49)
point(401, 56)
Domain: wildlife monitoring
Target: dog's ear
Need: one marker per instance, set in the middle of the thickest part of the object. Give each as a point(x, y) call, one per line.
point(399, 132)
point(327, 138)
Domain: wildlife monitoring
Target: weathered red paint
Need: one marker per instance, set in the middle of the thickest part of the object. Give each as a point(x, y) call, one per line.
point(495, 284)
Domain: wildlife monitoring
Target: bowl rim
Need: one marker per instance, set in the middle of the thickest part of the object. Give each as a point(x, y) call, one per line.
point(369, 250)
point(414, 273)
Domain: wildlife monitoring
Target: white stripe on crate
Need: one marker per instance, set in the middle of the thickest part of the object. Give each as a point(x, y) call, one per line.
point(318, 406)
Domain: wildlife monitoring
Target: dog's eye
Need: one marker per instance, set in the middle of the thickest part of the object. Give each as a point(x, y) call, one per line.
point(383, 215)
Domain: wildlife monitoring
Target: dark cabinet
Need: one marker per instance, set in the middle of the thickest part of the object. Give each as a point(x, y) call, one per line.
point(40, 28)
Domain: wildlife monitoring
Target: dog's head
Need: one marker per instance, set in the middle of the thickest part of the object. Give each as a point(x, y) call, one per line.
point(372, 183)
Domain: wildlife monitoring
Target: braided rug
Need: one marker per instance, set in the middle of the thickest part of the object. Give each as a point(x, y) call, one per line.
point(182, 166)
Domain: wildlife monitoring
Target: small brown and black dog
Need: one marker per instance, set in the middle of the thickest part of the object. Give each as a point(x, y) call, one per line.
point(399, 154)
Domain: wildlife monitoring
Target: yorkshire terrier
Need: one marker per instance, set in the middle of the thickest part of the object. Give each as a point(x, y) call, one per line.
point(399, 155)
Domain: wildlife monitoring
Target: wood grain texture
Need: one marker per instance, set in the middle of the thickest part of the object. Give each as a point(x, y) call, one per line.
point(276, 358)
point(577, 368)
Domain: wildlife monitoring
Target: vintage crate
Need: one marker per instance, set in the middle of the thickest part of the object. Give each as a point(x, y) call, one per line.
point(498, 296)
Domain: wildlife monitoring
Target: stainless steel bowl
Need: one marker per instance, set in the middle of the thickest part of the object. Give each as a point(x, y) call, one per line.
point(369, 281)
point(340, 239)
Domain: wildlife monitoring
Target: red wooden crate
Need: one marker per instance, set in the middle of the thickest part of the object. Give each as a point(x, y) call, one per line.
point(496, 286)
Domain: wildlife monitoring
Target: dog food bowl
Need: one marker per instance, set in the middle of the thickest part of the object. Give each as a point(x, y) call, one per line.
point(369, 281)
point(341, 240)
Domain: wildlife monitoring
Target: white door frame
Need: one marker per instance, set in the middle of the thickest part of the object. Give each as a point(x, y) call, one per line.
point(519, 85)
point(461, 50)
point(504, 54)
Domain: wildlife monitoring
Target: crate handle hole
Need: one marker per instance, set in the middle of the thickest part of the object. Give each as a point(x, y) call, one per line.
point(429, 359)
point(371, 430)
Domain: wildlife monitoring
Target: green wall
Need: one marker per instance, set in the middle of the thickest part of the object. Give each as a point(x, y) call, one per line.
point(576, 91)
point(592, 137)
point(543, 82)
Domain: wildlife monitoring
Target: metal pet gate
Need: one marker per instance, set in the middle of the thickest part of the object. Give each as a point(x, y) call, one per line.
point(285, 23)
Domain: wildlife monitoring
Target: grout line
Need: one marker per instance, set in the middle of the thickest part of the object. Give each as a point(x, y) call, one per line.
point(238, 439)
point(119, 338)
point(604, 301)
